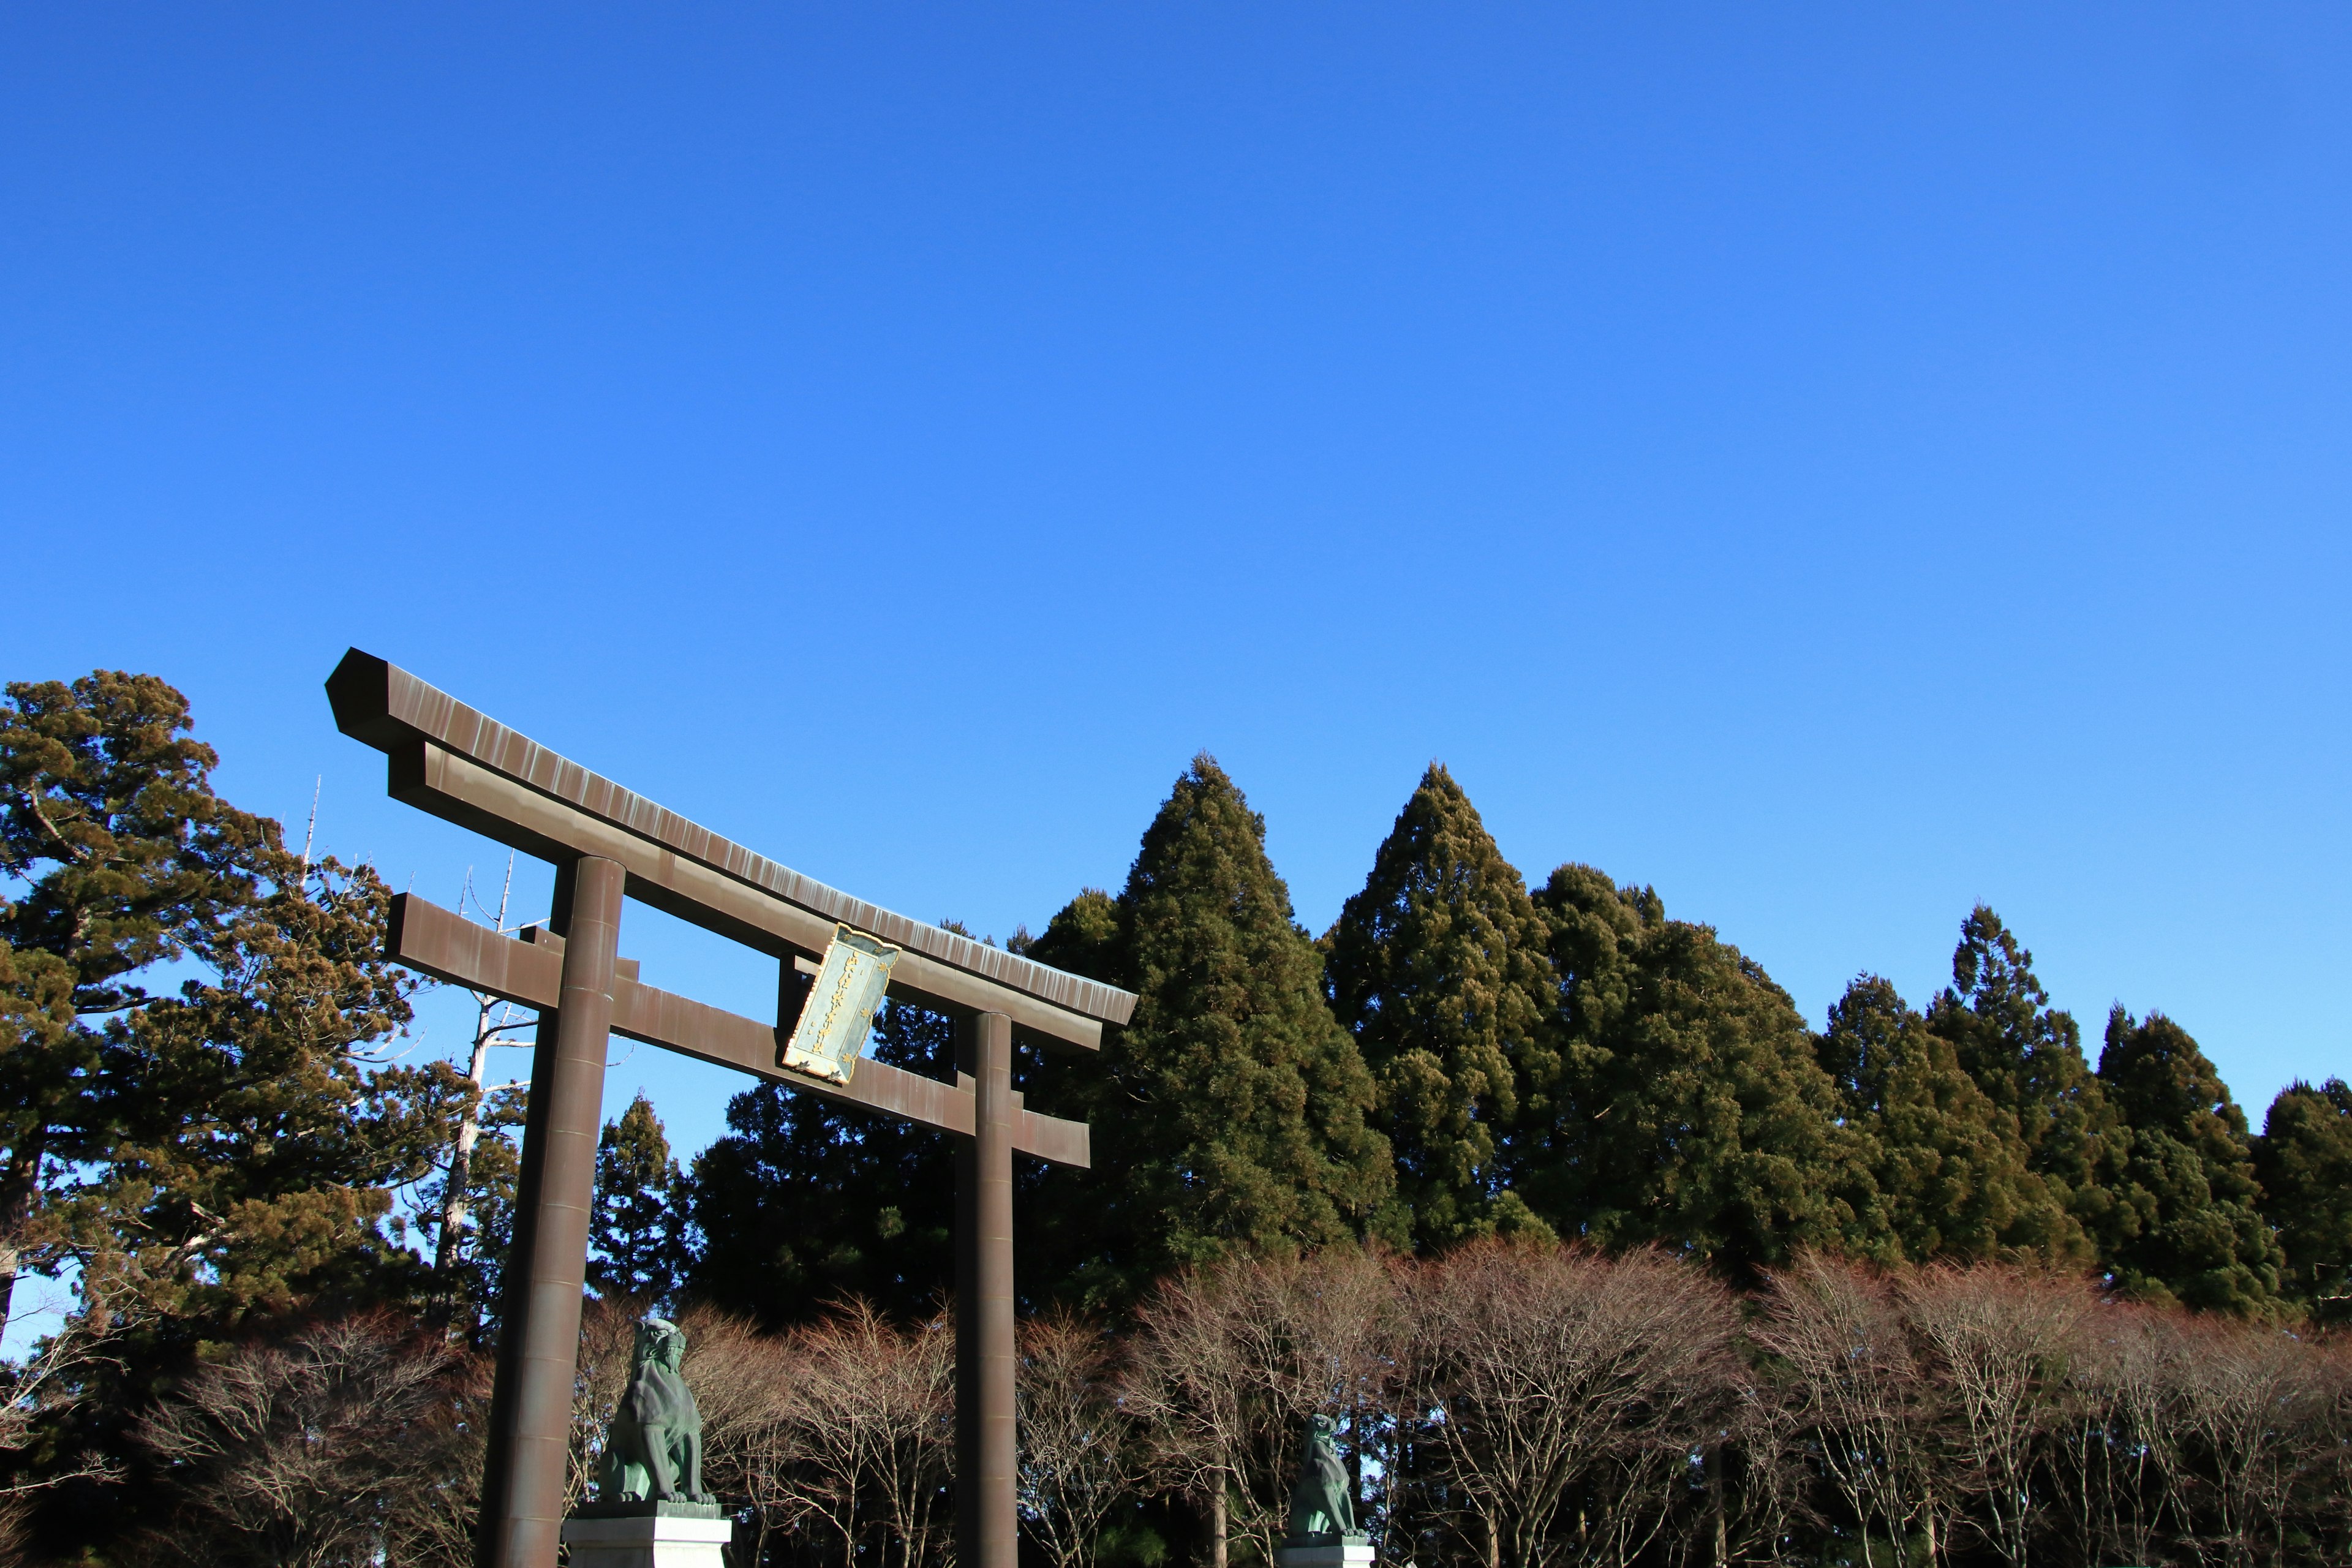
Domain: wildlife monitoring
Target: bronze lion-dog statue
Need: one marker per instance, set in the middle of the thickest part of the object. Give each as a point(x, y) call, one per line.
point(653, 1450)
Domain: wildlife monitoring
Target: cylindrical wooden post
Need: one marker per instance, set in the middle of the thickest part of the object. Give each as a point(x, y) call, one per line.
point(538, 1342)
point(986, 1528)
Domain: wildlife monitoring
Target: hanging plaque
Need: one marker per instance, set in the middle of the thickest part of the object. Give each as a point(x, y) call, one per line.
point(838, 1013)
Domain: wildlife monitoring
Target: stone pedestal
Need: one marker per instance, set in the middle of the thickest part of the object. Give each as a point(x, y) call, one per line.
point(1353, 1553)
point(664, 1540)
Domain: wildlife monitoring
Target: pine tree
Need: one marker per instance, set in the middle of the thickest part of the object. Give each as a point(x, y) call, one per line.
point(256, 1143)
point(2185, 1225)
point(1681, 1103)
point(638, 1227)
point(2027, 1057)
point(1948, 1167)
point(2304, 1160)
point(1229, 1114)
point(108, 823)
point(805, 1202)
point(1438, 968)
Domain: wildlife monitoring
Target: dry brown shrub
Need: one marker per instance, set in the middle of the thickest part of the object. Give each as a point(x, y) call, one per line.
point(1998, 1339)
point(868, 1444)
point(1872, 1416)
point(1080, 1453)
point(1546, 1376)
point(322, 1450)
point(1230, 1360)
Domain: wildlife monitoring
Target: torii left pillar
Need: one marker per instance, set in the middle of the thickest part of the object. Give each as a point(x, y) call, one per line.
point(987, 1530)
point(539, 1345)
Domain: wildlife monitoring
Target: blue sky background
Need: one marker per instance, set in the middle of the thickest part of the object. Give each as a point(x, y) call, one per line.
point(1836, 464)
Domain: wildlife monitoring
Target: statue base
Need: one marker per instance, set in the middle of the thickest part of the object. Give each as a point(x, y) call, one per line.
point(1351, 1552)
point(646, 1539)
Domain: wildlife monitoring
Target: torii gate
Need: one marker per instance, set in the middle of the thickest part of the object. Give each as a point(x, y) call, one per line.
point(606, 842)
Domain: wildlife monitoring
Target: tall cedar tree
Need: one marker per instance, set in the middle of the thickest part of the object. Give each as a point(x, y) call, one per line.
point(120, 856)
point(1230, 1114)
point(1681, 1103)
point(805, 1202)
point(2027, 1056)
point(2185, 1225)
point(639, 1224)
point(1438, 968)
point(2304, 1159)
point(1949, 1171)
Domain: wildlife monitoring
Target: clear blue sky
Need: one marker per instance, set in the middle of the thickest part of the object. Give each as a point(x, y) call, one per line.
point(1834, 464)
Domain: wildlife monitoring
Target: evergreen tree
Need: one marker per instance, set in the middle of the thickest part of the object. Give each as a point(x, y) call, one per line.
point(123, 857)
point(1948, 1167)
point(806, 1201)
point(1229, 1114)
point(638, 1226)
point(256, 1143)
point(1681, 1103)
point(2185, 1225)
point(1438, 968)
point(2304, 1160)
point(2027, 1057)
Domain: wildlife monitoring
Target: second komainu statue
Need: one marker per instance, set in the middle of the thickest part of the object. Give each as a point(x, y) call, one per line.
point(1323, 1504)
point(653, 1450)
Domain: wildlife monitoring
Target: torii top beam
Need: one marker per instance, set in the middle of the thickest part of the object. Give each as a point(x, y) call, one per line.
point(464, 766)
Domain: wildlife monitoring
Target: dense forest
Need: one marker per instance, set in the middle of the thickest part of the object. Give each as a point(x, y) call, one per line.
point(1598, 1251)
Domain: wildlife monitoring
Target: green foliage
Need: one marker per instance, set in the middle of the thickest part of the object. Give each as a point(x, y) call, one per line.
point(2304, 1160)
point(638, 1229)
point(2027, 1056)
point(1950, 1172)
point(123, 857)
point(471, 1274)
point(1438, 968)
point(1231, 1109)
point(2184, 1221)
point(804, 1203)
point(220, 1160)
point(1681, 1103)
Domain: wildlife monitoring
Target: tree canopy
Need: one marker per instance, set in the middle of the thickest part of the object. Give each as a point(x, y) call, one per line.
point(1240, 1104)
point(1437, 967)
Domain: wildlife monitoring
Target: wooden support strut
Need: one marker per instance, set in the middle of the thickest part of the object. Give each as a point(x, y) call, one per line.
point(447, 946)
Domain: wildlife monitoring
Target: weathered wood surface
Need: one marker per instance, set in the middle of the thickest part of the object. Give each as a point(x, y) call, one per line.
point(460, 765)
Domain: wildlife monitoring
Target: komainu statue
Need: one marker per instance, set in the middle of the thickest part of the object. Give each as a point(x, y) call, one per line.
point(653, 1450)
point(1322, 1505)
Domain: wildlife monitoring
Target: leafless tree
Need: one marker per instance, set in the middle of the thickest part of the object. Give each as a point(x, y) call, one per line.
point(874, 1414)
point(495, 1020)
point(2117, 1455)
point(1232, 1360)
point(1997, 1337)
point(746, 1388)
point(2253, 1406)
point(1079, 1452)
point(1550, 1376)
point(42, 1387)
point(309, 1453)
point(1871, 1415)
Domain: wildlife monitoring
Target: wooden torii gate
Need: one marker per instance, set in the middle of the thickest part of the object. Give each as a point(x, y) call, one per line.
point(606, 843)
